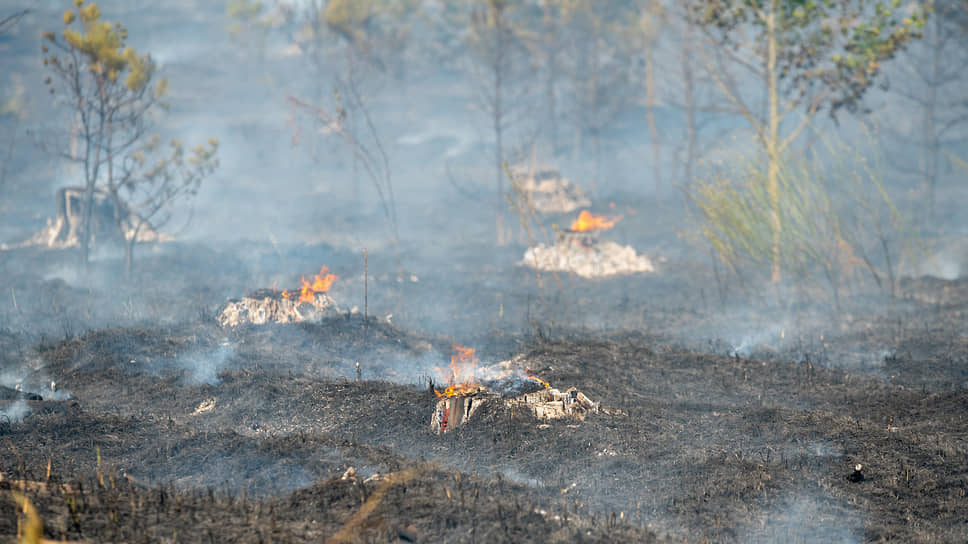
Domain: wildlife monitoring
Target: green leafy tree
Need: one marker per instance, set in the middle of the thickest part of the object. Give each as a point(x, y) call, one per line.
point(802, 56)
point(111, 89)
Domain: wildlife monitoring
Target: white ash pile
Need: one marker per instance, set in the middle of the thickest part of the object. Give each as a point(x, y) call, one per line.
point(586, 255)
point(549, 192)
point(269, 306)
point(551, 403)
point(545, 404)
point(108, 222)
point(309, 303)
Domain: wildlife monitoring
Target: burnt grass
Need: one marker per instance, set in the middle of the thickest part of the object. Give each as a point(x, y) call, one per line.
point(176, 429)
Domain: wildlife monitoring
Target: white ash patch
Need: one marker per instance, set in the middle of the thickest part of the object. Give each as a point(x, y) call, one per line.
point(205, 406)
point(549, 192)
point(545, 404)
point(268, 306)
point(550, 403)
point(588, 259)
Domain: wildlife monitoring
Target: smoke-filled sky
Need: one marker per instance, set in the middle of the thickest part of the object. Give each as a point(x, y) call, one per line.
point(625, 99)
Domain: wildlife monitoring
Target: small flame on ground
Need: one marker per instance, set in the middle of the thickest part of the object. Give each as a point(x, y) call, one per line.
point(321, 284)
point(460, 374)
point(531, 376)
point(588, 221)
point(463, 375)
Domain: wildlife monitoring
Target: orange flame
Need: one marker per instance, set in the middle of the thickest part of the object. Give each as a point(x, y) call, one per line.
point(461, 372)
point(588, 221)
point(531, 376)
point(321, 283)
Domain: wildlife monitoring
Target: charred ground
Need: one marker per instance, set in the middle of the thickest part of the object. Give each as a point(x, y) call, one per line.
point(245, 433)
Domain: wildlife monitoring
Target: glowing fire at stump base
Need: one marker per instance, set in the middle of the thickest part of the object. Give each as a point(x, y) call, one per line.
point(506, 384)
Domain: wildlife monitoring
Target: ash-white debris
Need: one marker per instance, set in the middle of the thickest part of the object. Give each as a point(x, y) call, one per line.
point(268, 306)
point(549, 192)
point(588, 259)
point(109, 221)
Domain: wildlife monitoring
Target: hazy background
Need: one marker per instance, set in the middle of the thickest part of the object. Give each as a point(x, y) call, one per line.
point(289, 197)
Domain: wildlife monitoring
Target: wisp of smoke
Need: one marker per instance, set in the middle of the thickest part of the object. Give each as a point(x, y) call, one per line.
point(15, 413)
point(204, 367)
point(29, 380)
point(806, 518)
point(749, 341)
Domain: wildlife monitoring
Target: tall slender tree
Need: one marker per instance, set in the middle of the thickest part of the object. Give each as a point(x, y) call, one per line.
point(801, 56)
point(497, 65)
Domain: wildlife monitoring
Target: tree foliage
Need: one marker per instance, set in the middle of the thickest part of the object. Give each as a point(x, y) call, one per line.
point(827, 53)
point(803, 56)
point(111, 89)
point(840, 220)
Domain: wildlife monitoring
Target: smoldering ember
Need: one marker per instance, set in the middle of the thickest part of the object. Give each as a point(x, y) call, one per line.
point(485, 271)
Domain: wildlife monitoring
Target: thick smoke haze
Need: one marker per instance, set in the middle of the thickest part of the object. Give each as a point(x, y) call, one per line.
point(796, 285)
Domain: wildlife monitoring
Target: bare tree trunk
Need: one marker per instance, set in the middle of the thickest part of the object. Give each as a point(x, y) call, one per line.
point(9, 155)
point(689, 89)
point(551, 34)
point(591, 105)
point(92, 171)
point(129, 255)
point(650, 113)
point(772, 139)
point(498, 121)
point(930, 114)
point(498, 156)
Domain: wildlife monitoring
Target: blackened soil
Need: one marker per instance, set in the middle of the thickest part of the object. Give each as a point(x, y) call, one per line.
point(701, 438)
point(692, 445)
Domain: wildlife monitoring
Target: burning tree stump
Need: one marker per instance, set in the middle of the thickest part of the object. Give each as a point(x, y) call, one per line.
point(505, 384)
point(270, 306)
point(453, 412)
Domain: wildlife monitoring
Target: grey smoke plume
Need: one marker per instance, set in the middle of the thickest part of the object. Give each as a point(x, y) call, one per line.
point(15, 413)
point(204, 367)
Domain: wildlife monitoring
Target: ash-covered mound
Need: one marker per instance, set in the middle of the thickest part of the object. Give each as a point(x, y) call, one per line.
point(588, 257)
point(270, 306)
